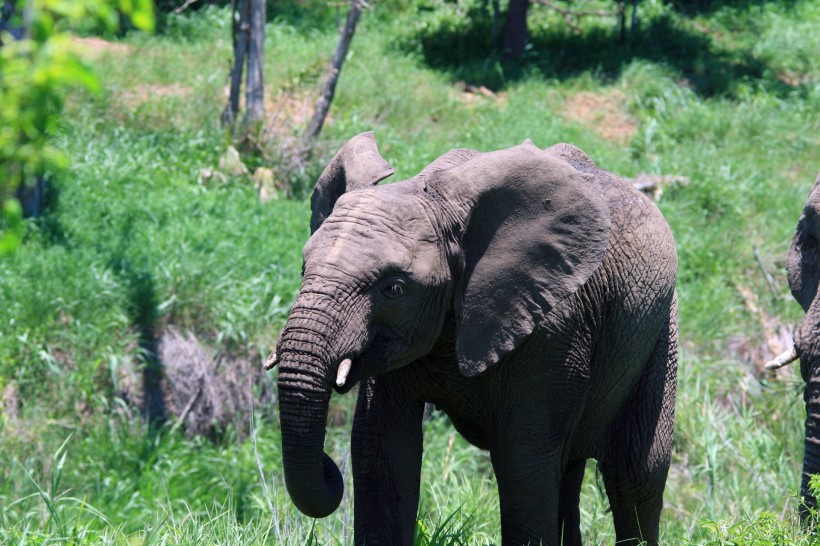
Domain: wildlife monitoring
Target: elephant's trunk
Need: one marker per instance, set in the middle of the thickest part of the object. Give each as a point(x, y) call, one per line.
point(305, 380)
point(807, 342)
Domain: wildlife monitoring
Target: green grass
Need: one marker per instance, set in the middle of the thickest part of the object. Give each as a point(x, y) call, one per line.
point(137, 240)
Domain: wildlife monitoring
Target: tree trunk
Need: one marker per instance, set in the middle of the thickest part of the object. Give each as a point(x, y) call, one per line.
point(494, 27)
point(32, 196)
point(515, 29)
point(240, 31)
point(255, 98)
point(332, 78)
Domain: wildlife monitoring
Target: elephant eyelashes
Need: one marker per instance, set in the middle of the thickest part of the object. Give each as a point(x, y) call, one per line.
point(394, 290)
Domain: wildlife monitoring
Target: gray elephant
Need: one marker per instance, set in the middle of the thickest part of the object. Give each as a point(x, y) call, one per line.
point(803, 269)
point(528, 294)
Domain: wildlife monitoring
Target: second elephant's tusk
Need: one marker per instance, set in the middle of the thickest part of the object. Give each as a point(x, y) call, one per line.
point(272, 361)
point(344, 369)
point(783, 359)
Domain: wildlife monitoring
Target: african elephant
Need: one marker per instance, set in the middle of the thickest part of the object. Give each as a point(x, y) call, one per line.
point(803, 269)
point(527, 293)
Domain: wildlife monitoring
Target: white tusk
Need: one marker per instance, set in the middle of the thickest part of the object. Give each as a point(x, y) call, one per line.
point(344, 369)
point(783, 359)
point(272, 361)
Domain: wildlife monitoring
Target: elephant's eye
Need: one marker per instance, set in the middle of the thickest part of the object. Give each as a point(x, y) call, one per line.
point(394, 289)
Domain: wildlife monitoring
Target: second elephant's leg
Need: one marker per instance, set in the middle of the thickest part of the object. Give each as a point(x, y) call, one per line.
point(386, 447)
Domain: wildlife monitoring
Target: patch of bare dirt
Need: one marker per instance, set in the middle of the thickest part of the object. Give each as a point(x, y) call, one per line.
point(605, 113)
point(287, 109)
point(756, 352)
point(97, 47)
point(287, 114)
point(794, 172)
point(141, 94)
point(794, 79)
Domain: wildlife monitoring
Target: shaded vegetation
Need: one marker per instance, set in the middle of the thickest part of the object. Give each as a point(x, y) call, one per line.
point(461, 46)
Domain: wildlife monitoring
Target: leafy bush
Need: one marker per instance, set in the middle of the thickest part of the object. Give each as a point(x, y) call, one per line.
point(35, 72)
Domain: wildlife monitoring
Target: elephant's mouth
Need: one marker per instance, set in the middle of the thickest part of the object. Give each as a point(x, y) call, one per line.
point(374, 358)
point(358, 366)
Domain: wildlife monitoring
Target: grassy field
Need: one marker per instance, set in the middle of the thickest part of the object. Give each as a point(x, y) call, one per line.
point(140, 241)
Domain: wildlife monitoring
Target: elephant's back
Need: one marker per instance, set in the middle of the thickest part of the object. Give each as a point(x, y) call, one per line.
point(642, 247)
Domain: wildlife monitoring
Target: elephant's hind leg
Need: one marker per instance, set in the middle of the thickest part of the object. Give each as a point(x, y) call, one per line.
point(639, 445)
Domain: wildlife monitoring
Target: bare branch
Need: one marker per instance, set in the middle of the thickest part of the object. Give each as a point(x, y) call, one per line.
point(240, 33)
point(185, 6)
point(652, 184)
point(572, 16)
point(766, 275)
point(332, 78)
point(189, 406)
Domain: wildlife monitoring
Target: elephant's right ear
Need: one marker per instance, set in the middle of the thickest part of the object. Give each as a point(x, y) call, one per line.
point(358, 164)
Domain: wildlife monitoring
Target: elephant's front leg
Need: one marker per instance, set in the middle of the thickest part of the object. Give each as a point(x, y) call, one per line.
point(386, 449)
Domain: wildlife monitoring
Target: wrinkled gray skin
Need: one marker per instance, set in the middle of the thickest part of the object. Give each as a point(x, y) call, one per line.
point(803, 268)
point(525, 292)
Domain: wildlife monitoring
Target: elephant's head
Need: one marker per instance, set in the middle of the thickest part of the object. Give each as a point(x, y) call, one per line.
point(803, 268)
point(489, 241)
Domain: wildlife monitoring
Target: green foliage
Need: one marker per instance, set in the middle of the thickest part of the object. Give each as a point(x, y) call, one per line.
point(450, 531)
point(35, 73)
point(764, 529)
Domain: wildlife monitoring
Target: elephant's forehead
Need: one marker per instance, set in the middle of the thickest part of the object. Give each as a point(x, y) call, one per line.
point(381, 206)
point(370, 229)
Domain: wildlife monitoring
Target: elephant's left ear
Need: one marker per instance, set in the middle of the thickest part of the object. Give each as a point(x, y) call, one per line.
point(536, 230)
point(803, 259)
point(358, 164)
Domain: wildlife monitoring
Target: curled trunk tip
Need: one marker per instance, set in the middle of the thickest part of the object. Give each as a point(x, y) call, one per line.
point(321, 499)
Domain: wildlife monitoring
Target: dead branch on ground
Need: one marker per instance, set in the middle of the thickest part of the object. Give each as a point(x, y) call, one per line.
point(572, 17)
